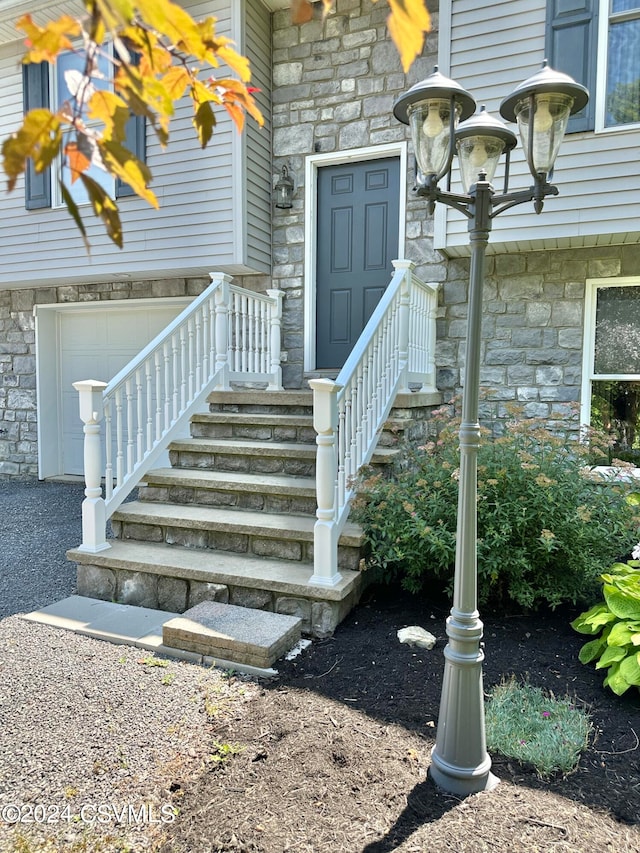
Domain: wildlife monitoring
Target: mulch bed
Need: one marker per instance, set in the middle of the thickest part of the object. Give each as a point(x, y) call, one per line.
point(332, 755)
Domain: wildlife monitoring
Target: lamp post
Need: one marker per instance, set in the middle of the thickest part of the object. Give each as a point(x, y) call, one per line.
point(440, 114)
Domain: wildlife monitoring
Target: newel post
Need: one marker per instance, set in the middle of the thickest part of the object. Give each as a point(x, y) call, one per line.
point(94, 518)
point(325, 533)
point(221, 338)
point(275, 352)
point(403, 331)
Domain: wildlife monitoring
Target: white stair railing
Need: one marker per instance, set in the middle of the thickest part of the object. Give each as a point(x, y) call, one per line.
point(227, 334)
point(395, 351)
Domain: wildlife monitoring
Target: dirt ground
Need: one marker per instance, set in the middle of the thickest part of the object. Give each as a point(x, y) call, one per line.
point(333, 754)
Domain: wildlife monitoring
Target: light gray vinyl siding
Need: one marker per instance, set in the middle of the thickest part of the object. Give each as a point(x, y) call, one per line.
point(194, 231)
point(492, 50)
point(257, 140)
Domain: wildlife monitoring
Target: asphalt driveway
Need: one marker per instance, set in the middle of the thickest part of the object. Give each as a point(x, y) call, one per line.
point(38, 523)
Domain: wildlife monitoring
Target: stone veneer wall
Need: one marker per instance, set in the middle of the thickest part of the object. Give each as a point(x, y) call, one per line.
point(533, 326)
point(334, 85)
point(18, 413)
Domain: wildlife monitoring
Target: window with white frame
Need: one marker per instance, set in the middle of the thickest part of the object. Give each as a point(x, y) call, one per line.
point(44, 88)
point(611, 367)
point(622, 92)
point(597, 42)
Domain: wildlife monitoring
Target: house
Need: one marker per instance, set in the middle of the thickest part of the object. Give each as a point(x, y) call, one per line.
point(556, 286)
point(560, 324)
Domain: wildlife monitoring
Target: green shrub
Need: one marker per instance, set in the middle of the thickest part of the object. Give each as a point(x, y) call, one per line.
point(617, 620)
point(545, 527)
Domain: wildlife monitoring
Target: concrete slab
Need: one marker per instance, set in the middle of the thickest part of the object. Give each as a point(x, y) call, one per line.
point(71, 613)
point(252, 637)
point(140, 627)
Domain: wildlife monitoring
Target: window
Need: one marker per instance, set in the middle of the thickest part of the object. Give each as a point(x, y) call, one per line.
point(611, 369)
point(45, 87)
point(597, 42)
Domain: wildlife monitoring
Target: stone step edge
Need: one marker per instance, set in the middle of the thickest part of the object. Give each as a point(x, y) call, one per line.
point(234, 569)
point(60, 615)
point(287, 397)
point(244, 447)
point(253, 418)
point(253, 637)
point(197, 517)
point(272, 484)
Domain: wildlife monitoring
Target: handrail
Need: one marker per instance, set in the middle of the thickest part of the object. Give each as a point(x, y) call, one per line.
point(226, 334)
point(394, 351)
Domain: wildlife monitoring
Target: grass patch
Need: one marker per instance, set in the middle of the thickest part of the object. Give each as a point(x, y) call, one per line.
point(533, 726)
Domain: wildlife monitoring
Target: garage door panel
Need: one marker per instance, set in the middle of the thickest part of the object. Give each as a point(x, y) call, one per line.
point(97, 345)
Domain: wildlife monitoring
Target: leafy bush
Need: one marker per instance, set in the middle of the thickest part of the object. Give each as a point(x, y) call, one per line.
point(533, 726)
point(617, 620)
point(545, 527)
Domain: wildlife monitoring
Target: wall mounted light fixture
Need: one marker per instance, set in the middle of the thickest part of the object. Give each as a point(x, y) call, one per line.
point(284, 190)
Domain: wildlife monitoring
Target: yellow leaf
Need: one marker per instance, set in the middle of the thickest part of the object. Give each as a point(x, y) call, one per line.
point(110, 109)
point(175, 81)
point(104, 207)
point(115, 13)
point(125, 165)
point(236, 62)
point(204, 121)
point(39, 137)
point(171, 20)
point(45, 43)
point(408, 21)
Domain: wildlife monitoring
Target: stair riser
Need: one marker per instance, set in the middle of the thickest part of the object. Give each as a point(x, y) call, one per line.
point(175, 595)
point(261, 409)
point(235, 499)
point(248, 464)
point(300, 435)
point(290, 549)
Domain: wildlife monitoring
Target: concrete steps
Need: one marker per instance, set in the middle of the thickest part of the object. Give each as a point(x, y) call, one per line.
point(232, 521)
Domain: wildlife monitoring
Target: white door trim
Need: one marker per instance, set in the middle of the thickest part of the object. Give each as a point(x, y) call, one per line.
point(313, 163)
point(49, 369)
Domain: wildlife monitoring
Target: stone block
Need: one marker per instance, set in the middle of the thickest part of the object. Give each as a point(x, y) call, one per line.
point(255, 599)
point(200, 591)
point(96, 582)
point(277, 548)
point(324, 618)
point(137, 588)
point(298, 607)
point(172, 594)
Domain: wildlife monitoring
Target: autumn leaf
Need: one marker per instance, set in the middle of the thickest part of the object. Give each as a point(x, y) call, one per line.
point(72, 207)
point(301, 11)
point(175, 81)
point(110, 109)
point(408, 22)
point(204, 121)
point(119, 161)
point(39, 138)
point(105, 208)
point(45, 43)
point(76, 159)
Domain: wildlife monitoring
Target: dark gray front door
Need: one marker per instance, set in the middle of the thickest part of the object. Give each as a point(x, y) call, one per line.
point(358, 210)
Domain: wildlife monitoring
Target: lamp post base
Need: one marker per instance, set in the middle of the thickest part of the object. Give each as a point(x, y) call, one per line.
point(460, 780)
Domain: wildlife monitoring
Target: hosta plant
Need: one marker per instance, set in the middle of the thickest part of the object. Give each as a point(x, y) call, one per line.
point(617, 622)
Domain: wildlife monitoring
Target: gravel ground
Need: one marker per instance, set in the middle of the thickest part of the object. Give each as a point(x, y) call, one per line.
point(38, 523)
point(96, 740)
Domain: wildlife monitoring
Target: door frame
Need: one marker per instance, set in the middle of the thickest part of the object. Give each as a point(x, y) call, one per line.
point(49, 368)
point(313, 163)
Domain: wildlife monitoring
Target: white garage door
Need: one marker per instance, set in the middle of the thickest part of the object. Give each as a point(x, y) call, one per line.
point(97, 344)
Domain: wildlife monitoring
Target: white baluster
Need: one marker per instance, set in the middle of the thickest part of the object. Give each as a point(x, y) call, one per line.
point(175, 373)
point(149, 396)
point(181, 367)
point(198, 355)
point(108, 450)
point(130, 427)
point(325, 536)
point(139, 418)
point(403, 331)
point(93, 509)
point(119, 441)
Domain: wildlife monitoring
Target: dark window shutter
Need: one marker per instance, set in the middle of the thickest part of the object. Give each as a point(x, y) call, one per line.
point(35, 88)
point(136, 142)
point(571, 46)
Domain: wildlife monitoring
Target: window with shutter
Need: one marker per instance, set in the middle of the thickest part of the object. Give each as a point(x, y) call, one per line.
point(47, 86)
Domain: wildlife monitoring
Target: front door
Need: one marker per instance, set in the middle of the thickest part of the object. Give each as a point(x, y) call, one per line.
point(358, 216)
